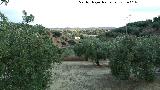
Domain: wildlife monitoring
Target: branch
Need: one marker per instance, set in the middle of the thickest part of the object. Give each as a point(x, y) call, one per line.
point(1, 3)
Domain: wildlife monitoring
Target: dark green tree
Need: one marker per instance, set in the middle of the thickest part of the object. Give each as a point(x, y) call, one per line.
point(3, 22)
point(3, 17)
point(27, 19)
point(91, 48)
point(156, 25)
point(27, 54)
point(56, 34)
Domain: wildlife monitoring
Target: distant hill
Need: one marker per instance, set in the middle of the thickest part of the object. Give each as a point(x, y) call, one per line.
point(140, 28)
point(90, 28)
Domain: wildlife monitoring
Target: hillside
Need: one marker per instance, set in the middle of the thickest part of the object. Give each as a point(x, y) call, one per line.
point(140, 28)
point(90, 28)
point(63, 37)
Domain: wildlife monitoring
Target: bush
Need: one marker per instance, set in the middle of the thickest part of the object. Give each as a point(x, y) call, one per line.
point(144, 58)
point(156, 25)
point(83, 48)
point(121, 56)
point(71, 42)
point(135, 56)
point(156, 46)
point(26, 57)
point(67, 52)
point(56, 33)
point(91, 48)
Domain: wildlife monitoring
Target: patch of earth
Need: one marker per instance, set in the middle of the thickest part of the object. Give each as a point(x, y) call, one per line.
point(83, 75)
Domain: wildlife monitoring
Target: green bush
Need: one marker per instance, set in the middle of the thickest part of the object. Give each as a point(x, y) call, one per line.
point(156, 44)
point(156, 25)
point(67, 52)
point(26, 57)
point(71, 42)
point(144, 58)
point(83, 48)
point(121, 56)
point(91, 48)
point(56, 33)
point(135, 56)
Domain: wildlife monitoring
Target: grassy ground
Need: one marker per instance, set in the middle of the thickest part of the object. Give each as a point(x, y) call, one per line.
point(82, 75)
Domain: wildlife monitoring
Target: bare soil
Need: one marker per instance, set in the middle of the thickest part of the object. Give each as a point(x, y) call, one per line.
point(73, 58)
point(83, 75)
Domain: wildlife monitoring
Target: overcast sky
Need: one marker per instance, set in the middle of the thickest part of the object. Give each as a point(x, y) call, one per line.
point(72, 13)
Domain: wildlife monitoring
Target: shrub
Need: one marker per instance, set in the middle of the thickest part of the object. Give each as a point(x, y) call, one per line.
point(156, 46)
point(71, 42)
point(121, 56)
point(144, 58)
point(156, 25)
point(26, 57)
point(91, 48)
point(63, 43)
point(67, 52)
point(83, 48)
point(56, 34)
point(136, 56)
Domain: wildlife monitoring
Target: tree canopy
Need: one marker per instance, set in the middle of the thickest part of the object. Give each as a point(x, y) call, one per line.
point(27, 18)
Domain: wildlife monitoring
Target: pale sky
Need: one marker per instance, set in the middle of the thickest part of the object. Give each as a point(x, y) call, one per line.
point(71, 13)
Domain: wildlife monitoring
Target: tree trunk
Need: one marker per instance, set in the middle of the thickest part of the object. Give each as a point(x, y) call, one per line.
point(86, 58)
point(97, 63)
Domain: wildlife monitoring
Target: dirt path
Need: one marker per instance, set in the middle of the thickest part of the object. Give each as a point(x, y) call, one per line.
point(82, 75)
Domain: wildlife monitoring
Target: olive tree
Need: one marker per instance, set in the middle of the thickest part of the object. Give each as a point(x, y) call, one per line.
point(91, 48)
point(27, 54)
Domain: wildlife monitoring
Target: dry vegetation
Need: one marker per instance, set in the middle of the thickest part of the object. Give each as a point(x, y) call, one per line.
point(83, 75)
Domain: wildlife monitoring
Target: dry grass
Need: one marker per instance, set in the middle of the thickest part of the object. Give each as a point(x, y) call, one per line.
point(82, 75)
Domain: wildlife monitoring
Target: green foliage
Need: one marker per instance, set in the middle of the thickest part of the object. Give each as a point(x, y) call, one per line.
point(27, 19)
point(82, 32)
point(56, 33)
point(71, 42)
point(139, 28)
point(82, 36)
point(156, 19)
point(111, 34)
point(144, 59)
point(26, 57)
point(135, 56)
point(156, 46)
point(121, 56)
point(3, 17)
point(3, 22)
point(63, 43)
point(67, 52)
point(91, 48)
point(81, 48)
point(156, 25)
point(92, 31)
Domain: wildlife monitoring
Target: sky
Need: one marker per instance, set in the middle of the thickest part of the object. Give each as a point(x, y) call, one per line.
point(72, 13)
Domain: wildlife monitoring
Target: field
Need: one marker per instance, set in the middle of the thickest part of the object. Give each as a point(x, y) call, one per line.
point(83, 75)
